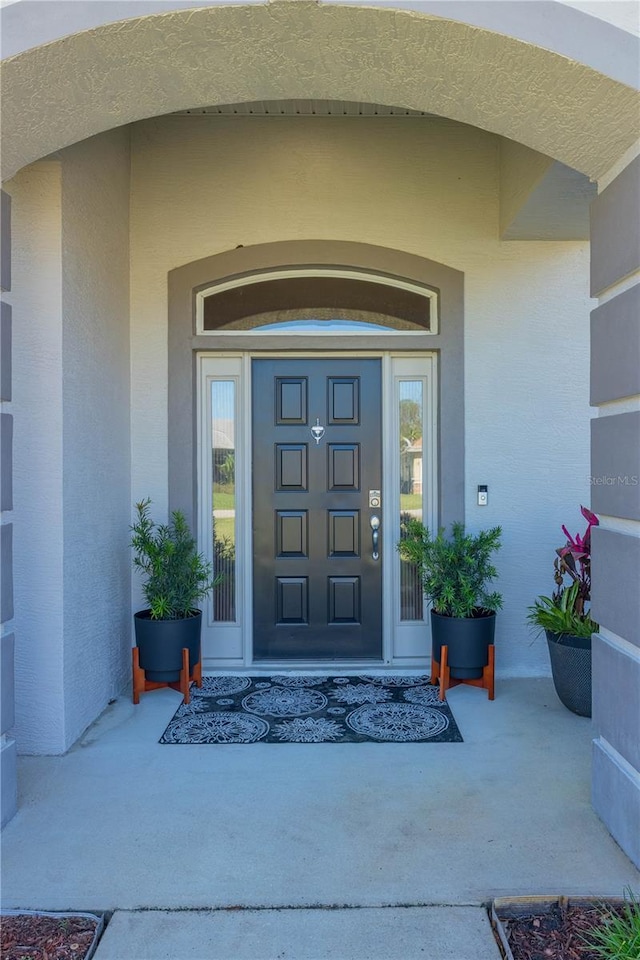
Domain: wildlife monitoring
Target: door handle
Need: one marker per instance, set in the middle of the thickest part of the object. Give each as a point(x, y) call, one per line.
point(374, 523)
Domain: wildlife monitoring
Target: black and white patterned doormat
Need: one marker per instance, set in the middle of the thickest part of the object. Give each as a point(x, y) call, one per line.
point(288, 709)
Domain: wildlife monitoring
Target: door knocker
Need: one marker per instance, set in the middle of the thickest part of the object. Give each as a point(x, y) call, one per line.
point(317, 431)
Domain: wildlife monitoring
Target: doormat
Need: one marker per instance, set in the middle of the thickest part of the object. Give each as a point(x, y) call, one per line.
point(288, 709)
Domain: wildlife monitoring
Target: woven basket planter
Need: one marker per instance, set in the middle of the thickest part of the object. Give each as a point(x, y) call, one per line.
point(571, 669)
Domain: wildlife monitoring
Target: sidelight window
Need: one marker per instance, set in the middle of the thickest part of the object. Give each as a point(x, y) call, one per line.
point(223, 487)
point(411, 460)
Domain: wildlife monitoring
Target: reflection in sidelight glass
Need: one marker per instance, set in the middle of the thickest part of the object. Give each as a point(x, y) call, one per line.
point(410, 413)
point(223, 430)
point(326, 326)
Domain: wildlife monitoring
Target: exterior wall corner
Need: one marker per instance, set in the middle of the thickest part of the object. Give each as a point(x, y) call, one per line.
point(615, 467)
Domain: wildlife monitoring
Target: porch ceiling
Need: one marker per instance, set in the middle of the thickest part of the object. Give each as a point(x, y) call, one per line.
point(68, 90)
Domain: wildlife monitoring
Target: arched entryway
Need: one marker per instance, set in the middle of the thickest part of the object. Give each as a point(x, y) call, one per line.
point(412, 353)
point(275, 51)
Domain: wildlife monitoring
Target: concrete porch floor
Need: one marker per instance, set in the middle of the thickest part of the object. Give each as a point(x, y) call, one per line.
point(124, 823)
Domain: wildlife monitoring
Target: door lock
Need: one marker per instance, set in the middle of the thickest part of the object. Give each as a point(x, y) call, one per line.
point(375, 500)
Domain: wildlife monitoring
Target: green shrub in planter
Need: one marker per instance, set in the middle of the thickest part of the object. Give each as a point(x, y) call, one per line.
point(175, 578)
point(455, 573)
point(175, 575)
point(558, 615)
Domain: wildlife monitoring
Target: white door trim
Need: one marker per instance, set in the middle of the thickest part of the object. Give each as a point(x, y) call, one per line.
point(228, 646)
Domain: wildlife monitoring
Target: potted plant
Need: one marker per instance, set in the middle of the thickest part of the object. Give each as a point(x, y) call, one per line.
point(176, 577)
point(455, 573)
point(566, 620)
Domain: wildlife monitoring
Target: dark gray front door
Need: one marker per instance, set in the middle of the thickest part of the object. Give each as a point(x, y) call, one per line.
point(317, 587)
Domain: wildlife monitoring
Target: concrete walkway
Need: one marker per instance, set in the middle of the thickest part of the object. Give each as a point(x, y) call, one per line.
point(367, 933)
point(123, 823)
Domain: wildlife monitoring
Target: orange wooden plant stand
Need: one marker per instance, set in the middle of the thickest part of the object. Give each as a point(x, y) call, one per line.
point(441, 673)
point(141, 684)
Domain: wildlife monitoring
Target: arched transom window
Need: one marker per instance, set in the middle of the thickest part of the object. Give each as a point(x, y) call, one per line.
point(317, 300)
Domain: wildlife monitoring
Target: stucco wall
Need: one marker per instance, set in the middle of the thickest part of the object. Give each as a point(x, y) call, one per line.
point(37, 393)
point(192, 58)
point(72, 461)
point(202, 186)
point(95, 397)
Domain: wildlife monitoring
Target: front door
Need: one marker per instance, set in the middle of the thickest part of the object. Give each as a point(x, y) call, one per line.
point(317, 477)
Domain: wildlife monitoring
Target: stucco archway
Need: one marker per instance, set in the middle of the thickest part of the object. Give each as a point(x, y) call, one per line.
point(121, 72)
point(183, 341)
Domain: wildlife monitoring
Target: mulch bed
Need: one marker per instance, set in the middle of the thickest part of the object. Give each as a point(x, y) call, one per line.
point(36, 937)
point(556, 934)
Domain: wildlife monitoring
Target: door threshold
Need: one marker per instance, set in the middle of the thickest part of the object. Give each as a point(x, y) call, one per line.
point(333, 669)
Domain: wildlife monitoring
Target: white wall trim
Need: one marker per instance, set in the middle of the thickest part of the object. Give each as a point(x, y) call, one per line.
point(619, 643)
point(620, 286)
point(611, 408)
point(619, 761)
point(618, 525)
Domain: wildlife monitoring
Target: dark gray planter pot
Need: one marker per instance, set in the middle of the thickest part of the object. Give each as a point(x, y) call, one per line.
point(571, 670)
point(161, 642)
point(468, 640)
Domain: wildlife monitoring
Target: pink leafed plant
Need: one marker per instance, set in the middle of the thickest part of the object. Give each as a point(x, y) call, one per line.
point(574, 561)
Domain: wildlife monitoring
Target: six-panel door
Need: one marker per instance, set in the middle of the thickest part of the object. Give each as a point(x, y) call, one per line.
point(316, 458)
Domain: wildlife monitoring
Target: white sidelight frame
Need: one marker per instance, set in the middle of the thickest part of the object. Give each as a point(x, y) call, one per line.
point(229, 645)
point(411, 636)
